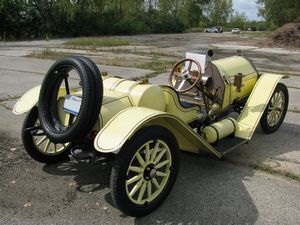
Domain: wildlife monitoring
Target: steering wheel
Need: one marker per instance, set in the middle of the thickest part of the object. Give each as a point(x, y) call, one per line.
point(183, 78)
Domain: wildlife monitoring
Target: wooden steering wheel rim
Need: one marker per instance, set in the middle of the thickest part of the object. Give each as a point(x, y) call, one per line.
point(174, 69)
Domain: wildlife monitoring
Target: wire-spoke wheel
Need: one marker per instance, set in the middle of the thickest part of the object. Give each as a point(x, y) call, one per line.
point(276, 109)
point(38, 145)
point(145, 171)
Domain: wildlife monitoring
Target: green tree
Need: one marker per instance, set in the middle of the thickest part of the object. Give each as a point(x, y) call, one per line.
point(166, 6)
point(219, 12)
point(239, 20)
point(278, 13)
point(191, 12)
point(13, 18)
point(66, 18)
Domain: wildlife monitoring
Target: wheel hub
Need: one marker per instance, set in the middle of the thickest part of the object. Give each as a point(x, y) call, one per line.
point(149, 172)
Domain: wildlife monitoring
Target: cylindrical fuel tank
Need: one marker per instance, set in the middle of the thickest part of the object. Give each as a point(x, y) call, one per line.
point(219, 130)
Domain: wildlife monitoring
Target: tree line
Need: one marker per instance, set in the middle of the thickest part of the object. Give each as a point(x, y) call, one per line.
point(277, 13)
point(69, 18)
point(30, 19)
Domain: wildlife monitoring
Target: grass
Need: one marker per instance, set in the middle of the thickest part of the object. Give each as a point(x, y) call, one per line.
point(157, 65)
point(97, 42)
point(257, 34)
point(147, 76)
point(154, 64)
point(49, 54)
point(270, 170)
point(194, 30)
point(154, 53)
point(267, 169)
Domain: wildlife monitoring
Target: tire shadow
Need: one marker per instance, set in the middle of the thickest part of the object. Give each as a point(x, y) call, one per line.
point(207, 191)
point(88, 177)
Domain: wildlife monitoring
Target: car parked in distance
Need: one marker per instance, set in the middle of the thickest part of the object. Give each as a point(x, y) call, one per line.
point(215, 29)
point(235, 31)
point(211, 30)
point(220, 29)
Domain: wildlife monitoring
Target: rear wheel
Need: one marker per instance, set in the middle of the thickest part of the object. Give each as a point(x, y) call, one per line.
point(276, 109)
point(145, 171)
point(36, 143)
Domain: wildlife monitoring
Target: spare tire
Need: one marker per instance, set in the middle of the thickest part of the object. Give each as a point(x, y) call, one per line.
point(98, 87)
point(91, 99)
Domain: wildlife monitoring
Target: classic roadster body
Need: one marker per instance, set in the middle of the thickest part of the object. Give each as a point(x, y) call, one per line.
point(210, 106)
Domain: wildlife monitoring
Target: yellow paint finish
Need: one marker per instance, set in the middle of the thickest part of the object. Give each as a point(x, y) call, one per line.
point(230, 90)
point(233, 65)
point(173, 107)
point(111, 107)
point(187, 138)
point(219, 130)
point(256, 104)
point(27, 101)
point(111, 82)
point(247, 87)
point(227, 96)
point(31, 97)
point(121, 127)
point(126, 86)
point(142, 95)
point(150, 96)
point(110, 96)
point(228, 68)
point(114, 134)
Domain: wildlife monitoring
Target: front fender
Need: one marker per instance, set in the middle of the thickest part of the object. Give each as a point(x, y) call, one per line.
point(122, 127)
point(256, 104)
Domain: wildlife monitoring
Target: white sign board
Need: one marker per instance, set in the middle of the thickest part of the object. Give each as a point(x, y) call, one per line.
point(72, 104)
point(201, 58)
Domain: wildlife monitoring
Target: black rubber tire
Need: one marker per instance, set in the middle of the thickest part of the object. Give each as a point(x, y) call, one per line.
point(123, 159)
point(264, 120)
point(98, 86)
point(30, 147)
point(90, 105)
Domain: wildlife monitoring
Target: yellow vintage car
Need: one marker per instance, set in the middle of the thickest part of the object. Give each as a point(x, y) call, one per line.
point(209, 106)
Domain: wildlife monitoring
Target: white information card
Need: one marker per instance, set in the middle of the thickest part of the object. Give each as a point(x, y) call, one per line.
point(201, 58)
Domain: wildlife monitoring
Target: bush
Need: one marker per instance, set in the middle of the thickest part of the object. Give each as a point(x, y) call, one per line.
point(130, 25)
point(160, 23)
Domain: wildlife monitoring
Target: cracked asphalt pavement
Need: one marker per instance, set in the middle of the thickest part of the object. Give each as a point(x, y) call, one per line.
point(208, 190)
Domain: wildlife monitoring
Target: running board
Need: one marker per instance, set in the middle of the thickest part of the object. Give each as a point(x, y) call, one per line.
point(230, 143)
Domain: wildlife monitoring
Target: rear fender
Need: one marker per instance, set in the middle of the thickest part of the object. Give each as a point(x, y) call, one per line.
point(122, 127)
point(256, 104)
point(27, 101)
point(31, 98)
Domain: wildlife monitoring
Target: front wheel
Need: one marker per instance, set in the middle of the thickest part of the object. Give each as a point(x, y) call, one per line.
point(145, 171)
point(276, 109)
point(37, 144)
